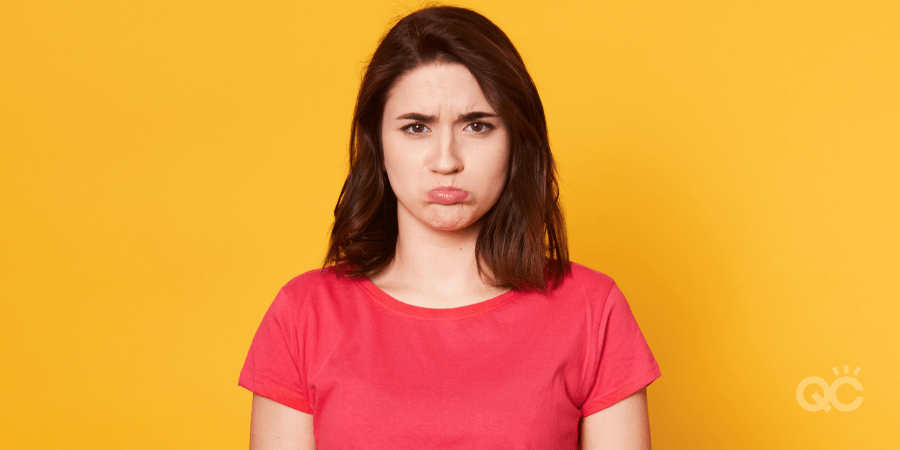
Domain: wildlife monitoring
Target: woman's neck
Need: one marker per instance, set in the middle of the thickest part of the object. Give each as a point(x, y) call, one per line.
point(435, 269)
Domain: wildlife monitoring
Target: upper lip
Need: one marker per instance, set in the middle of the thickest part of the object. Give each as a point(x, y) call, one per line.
point(447, 188)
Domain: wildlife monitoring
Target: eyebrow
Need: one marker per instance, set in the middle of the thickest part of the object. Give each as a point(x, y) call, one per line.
point(418, 117)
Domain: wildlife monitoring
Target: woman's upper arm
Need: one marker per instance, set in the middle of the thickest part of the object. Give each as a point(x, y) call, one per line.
point(624, 425)
point(274, 426)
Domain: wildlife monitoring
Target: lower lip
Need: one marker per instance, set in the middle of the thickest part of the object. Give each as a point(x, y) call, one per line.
point(447, 196)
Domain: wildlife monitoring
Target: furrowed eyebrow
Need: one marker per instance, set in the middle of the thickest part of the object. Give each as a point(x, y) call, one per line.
point(417, 117)
point(468, 117)
point(475, 116)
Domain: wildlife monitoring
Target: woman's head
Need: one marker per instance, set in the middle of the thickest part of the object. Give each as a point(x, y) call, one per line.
point(523, 231)
point(445, 149)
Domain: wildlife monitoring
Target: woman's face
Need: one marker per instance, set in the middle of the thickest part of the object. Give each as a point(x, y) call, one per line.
point(446, 151)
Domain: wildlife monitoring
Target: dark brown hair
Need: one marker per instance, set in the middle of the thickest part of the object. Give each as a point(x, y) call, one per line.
point(523, 235)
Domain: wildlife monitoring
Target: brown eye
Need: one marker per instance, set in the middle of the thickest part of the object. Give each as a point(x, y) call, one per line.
point(415, 128)
point(479, 127)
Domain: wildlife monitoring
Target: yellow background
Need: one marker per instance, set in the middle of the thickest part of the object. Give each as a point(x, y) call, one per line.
point(168, 165)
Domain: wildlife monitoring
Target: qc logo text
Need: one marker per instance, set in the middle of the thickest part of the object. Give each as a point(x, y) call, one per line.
point(830, 398)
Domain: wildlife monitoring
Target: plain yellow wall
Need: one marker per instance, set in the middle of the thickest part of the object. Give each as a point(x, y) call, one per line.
point(168, 165)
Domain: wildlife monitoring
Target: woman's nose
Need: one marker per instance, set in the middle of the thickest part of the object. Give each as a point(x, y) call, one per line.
point(445, 156)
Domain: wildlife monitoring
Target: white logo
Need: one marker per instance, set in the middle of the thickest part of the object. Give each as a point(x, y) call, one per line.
point(830, 390)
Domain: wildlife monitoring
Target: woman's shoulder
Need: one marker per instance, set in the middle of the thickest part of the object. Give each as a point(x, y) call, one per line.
point(584, 277)
point(594, 290)
point(321, 280)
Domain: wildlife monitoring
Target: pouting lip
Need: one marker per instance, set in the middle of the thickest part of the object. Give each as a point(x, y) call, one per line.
point(447, 195)
point(447, 188)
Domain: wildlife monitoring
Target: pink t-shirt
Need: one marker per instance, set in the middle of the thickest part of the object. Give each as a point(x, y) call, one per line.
point(517, 371)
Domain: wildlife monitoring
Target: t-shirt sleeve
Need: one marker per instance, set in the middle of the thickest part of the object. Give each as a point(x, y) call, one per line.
point(273, 367)
point(620, 360)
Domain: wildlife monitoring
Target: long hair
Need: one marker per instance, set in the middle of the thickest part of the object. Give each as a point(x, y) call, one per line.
point(523, 238)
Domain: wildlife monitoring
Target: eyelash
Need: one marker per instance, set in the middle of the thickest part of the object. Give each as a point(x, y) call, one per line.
point(486, 127)
point(406, 128)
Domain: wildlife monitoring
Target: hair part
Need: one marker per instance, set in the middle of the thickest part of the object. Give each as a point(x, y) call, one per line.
point(522, 240)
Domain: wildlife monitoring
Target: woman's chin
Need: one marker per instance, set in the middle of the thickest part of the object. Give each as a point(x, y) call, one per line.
point(450, 224)
point(454, 219)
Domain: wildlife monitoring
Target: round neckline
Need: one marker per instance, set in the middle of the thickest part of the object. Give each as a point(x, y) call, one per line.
point(421, 312)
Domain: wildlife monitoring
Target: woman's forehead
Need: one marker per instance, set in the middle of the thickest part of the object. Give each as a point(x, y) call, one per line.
point(436, 89)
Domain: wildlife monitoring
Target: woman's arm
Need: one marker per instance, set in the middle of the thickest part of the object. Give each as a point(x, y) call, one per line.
point(274, 426)
point(623, 426)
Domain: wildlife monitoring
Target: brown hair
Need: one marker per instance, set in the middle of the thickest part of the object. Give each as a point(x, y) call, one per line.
point(524, 233)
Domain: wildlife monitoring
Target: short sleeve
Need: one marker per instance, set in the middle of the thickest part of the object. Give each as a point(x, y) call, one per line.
point(621, 359)
point(273, 367)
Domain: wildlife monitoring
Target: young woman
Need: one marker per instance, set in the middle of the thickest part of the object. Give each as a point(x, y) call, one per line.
point(447, 314)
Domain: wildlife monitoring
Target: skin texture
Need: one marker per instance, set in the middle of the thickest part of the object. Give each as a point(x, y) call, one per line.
point(438, 129)
point(446, 149)
point(623, 426)
point(274, 426)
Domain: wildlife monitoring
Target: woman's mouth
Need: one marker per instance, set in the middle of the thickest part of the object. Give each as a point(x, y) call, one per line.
point(447, 195)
